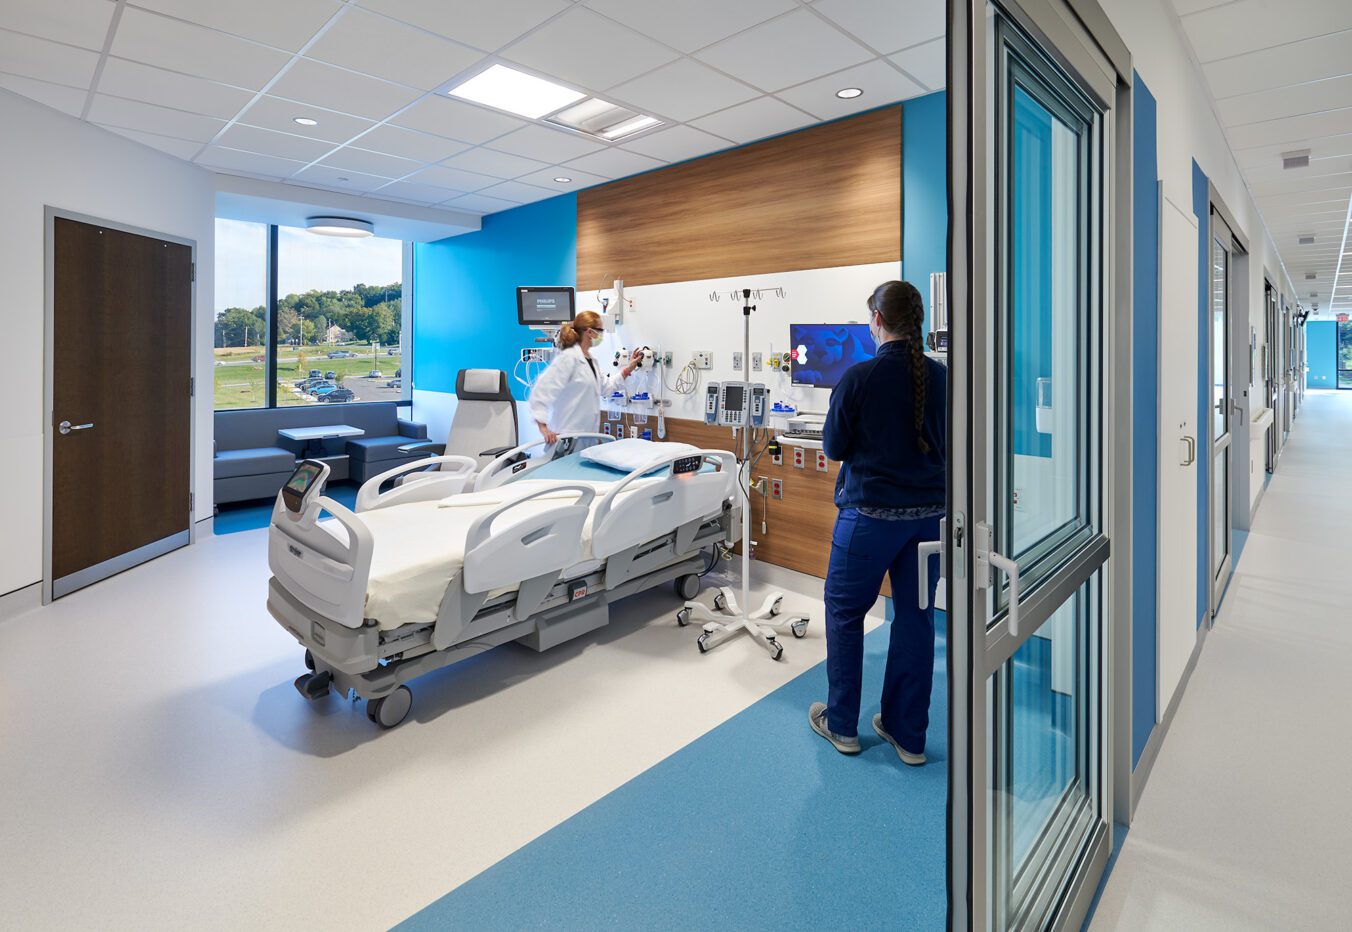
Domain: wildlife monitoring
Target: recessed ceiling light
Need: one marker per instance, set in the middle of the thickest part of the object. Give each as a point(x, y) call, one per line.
point(562, 180)
point(629, 127)
point(849, 93)
point(305, 121)
point(604, 120)
point(516, 92)
point(339, 226)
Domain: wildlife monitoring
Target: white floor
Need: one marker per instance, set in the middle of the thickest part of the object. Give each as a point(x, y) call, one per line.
point(1244, 823)
point(160, 771)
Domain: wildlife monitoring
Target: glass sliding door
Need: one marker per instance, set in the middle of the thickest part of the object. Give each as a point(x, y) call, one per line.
point(1222, 255)
point(1035, 125)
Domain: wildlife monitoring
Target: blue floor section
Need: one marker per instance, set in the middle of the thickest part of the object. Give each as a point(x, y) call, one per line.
point(250, 516)
point(759, 824)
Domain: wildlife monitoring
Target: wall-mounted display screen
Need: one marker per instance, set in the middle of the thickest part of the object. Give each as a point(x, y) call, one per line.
point(822, 352)
point(546, 306)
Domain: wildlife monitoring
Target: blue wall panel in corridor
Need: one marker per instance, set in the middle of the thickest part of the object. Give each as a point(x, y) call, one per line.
point(1201, 208)
point(1321, 346)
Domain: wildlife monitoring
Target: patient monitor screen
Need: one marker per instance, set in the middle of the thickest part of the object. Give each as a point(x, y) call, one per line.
point(822, 352)
point(300, 483)
point(544, 306)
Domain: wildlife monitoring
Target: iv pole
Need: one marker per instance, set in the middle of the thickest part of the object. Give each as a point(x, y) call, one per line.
point(765, 622)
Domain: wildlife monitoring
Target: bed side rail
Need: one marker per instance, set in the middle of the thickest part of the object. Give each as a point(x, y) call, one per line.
point(317, 566)
point(511, 465)
point(417, 488)
point(670, 501)
point(540, 545)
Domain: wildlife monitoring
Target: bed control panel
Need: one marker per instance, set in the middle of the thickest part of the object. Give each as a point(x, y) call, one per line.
point(305, 484)
point(686, 465)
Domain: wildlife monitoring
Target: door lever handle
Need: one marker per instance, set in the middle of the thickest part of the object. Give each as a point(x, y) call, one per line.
point(66, 427)
point(1011, 569)
point(923, 552)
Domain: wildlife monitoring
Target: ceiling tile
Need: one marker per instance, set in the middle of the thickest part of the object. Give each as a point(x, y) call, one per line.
point(167, 43)
point(1249, 25)
point(691, 24)
point(167, 89)
point(480, 204)
point(754, 120)
point(1308, 126)
point(682, 90)
point(46, 61)
point(1271, 156)
point(927, 63)
point(677, 144)
point(329, 177)
point(251, 162)
point(408, 144)
point(1186, 7)
point(615, 163)
point(68, 100)
point(588, 50)
point(421, 193)
point(453, 119)
point(372, 163)
point(333, 88)
point(1311, 60)
point(888, 25)
point(132, 114)
point(519, 192)
point(379, 46)
point(277, 114)
point(287, 25)
point(548, 145)
point(75, 22)
point(179, 148)
point(453, 178)
point(785, 51)
point(497, 164)
point(267, 142)
point(1314, 97)
point(487, 26)
point(579, 179)
point(880, 82)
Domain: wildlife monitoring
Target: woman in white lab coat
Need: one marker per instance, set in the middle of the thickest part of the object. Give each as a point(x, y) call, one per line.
point(567, 396)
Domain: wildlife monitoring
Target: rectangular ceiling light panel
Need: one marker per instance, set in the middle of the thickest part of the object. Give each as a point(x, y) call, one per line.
point(516, 92)
point(604, 120)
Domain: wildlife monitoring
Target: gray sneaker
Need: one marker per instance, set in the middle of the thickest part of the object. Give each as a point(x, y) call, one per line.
point(914, 760)
point(816, 717)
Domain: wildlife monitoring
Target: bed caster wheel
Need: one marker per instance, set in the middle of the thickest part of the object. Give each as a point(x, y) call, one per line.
point(777, 607)
point(392, 709)
point(703, 643)
point(799, 629)
point(687, 587)
point(309, 660)
point(720, 602)
point(683, 617)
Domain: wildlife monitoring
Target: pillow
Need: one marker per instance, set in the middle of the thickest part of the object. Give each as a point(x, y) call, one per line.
point(631, 453)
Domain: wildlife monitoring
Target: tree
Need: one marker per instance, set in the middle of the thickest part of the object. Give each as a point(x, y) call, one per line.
point(372, 324)
point(237, 326)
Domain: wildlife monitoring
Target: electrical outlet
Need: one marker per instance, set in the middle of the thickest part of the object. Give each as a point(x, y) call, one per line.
point(777, 459)
point(633, 432)
point(756, 362)
point(704, 359)
point(605, 428)
point(1019, 503)
point(737, 362)
point(799, 458)
point(777, 488)
point(821, 461)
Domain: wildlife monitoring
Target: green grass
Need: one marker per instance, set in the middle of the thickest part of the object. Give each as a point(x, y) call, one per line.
point(241, 384)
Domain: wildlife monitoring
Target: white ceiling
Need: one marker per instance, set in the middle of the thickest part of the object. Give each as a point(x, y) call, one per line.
point(1281, 77)
point(219, 82)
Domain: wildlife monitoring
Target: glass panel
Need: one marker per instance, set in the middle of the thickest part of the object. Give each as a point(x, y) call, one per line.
point(1344, 354)
point(339, 330)
point(1044, 706)
point(1047, 367)
point(1220, 375)
point(1220, 509)
point(241, 314)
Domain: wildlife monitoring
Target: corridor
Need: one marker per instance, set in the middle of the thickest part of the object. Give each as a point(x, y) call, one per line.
point(1244, 822)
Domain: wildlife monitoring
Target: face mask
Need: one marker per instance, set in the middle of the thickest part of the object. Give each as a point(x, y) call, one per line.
point(873, 330)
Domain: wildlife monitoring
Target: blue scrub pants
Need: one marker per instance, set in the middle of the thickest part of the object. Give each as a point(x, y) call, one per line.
point(862, 550)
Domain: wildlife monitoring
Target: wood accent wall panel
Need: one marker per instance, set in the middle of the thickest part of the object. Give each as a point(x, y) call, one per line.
point(822, 197)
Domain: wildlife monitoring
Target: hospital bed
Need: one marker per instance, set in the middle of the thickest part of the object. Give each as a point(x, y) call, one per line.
point(532, 550)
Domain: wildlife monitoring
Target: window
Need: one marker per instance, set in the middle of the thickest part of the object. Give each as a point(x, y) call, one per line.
point(336, 318)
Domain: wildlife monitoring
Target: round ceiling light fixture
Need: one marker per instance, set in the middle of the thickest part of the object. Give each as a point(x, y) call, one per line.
point(849, 93)
point(304, 121)
point(339, 226)
point(563, 180)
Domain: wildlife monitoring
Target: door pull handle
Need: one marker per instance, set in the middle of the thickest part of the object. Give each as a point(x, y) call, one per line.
point(66, 427)
point(1192, 451)
point(923, 552)
point(1011, 569)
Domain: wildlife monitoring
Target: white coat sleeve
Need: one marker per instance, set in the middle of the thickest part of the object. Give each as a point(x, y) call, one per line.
point(614, 382)
point(547, 389)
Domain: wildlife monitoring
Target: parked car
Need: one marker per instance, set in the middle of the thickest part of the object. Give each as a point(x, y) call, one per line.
point(307, 384)
point(321, 387)
point(337, 396)
point(330, 374)
point(398, 373)
point(395, 383)
point(341, 354)
point(373, 374)
point(314, 374)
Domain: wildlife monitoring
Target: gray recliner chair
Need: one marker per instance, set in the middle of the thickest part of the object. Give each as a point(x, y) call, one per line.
point(485, 423)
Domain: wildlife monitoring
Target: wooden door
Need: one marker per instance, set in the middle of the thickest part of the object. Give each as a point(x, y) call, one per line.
point(121, 401)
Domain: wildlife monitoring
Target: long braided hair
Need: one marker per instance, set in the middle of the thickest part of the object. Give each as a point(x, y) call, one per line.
point(902, 313)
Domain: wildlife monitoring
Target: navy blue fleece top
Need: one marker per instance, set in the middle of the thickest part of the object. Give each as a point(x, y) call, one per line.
point(870, 430)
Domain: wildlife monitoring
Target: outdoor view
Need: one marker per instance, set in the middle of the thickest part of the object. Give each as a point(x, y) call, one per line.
point(1344, 354)
point(339, 334)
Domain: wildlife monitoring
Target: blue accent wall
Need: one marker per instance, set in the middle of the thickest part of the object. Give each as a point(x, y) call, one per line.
point(924, 200)
point(1201, 208)
point(1145, 417)
point(464, 289)
point(1321, 348)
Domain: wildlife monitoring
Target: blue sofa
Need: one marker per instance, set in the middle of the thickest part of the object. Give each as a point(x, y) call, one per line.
point(252, 461)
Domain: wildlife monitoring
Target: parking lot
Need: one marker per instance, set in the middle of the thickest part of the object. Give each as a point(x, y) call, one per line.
point(240, 375)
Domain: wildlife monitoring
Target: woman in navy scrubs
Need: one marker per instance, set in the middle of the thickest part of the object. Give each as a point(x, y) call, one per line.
point(887, 427)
